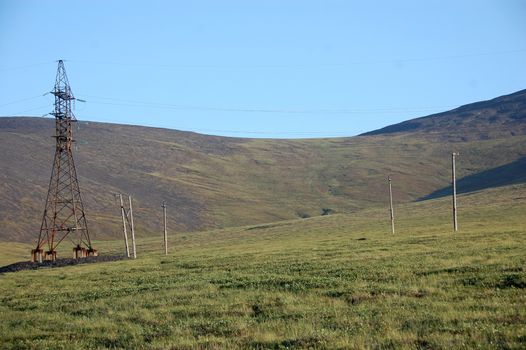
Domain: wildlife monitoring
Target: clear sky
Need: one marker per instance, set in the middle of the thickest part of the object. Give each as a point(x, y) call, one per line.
point(261, 68)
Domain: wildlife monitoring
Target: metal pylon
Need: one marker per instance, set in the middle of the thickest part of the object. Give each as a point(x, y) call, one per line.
point(64, 215)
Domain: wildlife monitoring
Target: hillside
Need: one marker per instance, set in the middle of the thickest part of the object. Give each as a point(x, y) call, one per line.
point(486, 119)
point(213, 182)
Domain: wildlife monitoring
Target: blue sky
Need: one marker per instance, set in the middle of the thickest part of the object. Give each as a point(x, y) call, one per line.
point(261, 68)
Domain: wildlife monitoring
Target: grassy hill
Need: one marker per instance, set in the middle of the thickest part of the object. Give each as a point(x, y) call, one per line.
point(496, 117)
point(214, 182)
point(340, 281)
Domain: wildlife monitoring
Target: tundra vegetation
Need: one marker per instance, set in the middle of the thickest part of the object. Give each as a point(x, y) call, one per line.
point(333, 281)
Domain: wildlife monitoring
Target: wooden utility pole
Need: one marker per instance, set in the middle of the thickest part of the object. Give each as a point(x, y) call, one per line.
point(165, 231)
point(124, 227)
point(391, 210)
point(454, 180)
point(132, 228)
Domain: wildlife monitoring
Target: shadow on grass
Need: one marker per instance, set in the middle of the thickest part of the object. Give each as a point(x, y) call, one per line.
point(508, 174)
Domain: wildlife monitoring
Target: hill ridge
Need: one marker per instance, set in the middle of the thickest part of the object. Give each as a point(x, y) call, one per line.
point(500, 102)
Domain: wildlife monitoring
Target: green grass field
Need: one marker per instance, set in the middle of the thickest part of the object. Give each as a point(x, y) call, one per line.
point(338, 281)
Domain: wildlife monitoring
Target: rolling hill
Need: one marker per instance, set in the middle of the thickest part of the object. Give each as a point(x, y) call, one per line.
point(214, 182)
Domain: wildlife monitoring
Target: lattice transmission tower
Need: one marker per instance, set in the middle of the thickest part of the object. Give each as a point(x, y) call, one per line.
point(64, 215)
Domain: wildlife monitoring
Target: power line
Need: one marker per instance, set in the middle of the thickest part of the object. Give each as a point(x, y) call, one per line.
point(272, 132)
point(29, 110)
point(25, 66)
point(22, 100)
point(278, 65)
point(198, 130)
point(302, 65)
point(137, 103)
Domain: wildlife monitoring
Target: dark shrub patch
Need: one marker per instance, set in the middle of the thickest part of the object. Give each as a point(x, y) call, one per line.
point(327, 211)
point(512, 281)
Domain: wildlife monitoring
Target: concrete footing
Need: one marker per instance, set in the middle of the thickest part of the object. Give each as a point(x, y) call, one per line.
point(92, 252)
point(38, 254)
point(81, 252)
point(50, 255)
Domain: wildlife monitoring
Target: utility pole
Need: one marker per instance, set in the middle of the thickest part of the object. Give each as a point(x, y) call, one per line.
point(132, 228)
point(124, 227)
point(165, 232)
point(454, 180)
point(391, 210)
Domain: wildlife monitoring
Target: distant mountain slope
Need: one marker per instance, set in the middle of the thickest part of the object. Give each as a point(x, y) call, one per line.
point(211, 181)
point(500, 116)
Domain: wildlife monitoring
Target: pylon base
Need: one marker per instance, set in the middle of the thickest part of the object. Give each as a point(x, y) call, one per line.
point(92, 252)
point(79, 252)
point(36, 255)
point(51, 255)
